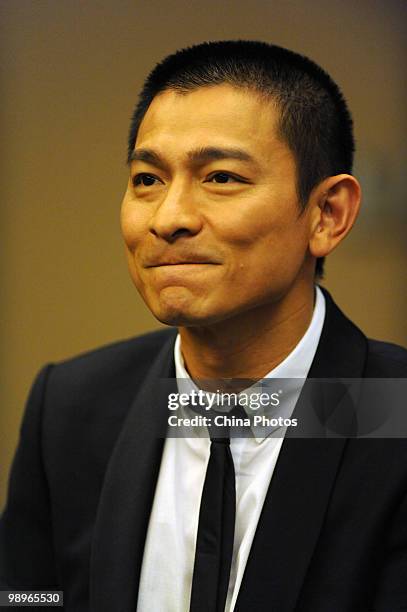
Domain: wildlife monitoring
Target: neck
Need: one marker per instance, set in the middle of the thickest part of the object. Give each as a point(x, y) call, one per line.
point(249, 345)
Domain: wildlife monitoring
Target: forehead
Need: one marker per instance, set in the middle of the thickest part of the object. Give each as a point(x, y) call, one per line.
point(215, 115)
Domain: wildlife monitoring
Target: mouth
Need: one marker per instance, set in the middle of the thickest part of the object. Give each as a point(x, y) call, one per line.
point(183, 263)
point(163, 264)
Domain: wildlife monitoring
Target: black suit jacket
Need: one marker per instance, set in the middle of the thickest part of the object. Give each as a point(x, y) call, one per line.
point(332, 536)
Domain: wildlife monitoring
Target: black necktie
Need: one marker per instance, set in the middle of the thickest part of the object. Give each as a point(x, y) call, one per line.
point(214, 544)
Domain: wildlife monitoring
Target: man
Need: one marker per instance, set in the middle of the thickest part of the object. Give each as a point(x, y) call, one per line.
point(240, 157)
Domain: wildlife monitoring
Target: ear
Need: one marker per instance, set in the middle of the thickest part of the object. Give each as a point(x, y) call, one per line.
point(335, 206)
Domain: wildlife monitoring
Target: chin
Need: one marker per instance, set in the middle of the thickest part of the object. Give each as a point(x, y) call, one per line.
point(192, 317)
point(179, 317)
point(179, 307)
point(175, 308)
point(184, 316)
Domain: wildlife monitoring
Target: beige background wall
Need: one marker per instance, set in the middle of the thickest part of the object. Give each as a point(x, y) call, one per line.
point(70, 71)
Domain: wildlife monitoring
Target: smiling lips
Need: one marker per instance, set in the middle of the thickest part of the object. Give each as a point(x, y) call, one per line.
point(181, 262)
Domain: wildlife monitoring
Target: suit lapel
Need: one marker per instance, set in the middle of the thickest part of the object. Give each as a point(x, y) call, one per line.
point(302, 482)
point(128, 492)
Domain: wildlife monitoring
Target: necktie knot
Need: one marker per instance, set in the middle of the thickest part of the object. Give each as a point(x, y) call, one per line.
point(219, 429)
point(224, 441)
point(223, 424)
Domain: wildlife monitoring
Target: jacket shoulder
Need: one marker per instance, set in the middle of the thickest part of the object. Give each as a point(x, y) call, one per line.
point(385, 359)
point(98, 377)
point(137, 351)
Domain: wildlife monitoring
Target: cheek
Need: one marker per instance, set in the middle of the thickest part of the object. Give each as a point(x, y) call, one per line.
point(134, 270)
point(271, 251)
point(252, 236)
point(255, 217)
point(134, 224)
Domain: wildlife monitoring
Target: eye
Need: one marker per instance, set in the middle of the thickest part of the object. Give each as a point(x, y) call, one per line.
point(145, 180)
point(224, 177)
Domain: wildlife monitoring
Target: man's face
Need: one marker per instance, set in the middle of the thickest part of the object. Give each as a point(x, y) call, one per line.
point(211, 218)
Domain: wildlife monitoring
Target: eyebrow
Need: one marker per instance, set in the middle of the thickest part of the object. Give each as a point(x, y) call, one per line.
point(196, 156)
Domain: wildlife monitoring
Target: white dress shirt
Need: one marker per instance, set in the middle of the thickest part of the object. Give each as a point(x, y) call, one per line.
point(168, 560)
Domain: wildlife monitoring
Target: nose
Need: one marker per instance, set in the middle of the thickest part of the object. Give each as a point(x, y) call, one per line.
point(177, 214)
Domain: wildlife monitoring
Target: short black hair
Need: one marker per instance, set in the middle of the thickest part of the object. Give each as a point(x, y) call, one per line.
point(315, 121)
